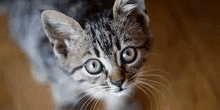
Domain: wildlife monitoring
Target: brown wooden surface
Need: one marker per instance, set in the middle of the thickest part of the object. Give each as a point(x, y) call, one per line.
point(187, 35)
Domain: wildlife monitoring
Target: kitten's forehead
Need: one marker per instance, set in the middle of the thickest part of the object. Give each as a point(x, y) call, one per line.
point(112, 36)
point(103, 35)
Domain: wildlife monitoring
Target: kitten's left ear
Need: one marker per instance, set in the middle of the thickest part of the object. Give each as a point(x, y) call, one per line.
point(130, 10)
point(133, 11)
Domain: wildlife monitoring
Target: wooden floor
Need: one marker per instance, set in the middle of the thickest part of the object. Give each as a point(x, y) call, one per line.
point(187, 36)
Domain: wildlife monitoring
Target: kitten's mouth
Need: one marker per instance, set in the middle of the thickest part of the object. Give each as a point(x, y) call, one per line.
point(120, 90)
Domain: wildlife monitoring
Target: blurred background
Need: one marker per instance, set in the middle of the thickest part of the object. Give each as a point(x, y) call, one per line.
point(187, 36)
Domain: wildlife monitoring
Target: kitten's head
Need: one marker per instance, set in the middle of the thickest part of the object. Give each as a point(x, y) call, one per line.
point(108, 52)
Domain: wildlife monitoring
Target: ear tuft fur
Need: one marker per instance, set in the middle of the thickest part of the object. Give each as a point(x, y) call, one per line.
point(125, 7)
point(131, 11)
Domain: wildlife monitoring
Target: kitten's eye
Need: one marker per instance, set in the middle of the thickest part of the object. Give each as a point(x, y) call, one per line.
point(93, 66)
point(128, 55)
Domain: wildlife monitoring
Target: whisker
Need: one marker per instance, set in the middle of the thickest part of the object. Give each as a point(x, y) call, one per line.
point(93, 104)
point(83, 96)
point(100, 102)
point(154, 88)
point(141, 74)
point(156, 99)
point(152, 75)
point(141, 84)
point(160, 85)
point(153, 83)
point(131, 78)
point(88, 99)
point(97, 101)
point(142, 89)
point(92, 98)
point(155, 70)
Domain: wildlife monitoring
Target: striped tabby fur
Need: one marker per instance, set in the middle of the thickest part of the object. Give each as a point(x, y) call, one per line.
point(62, 36)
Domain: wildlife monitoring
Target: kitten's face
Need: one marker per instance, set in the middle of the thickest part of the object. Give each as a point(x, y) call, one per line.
point(106, 55)
point(113, 58)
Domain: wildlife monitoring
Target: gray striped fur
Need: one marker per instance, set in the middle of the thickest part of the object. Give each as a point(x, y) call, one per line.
point(59, 36)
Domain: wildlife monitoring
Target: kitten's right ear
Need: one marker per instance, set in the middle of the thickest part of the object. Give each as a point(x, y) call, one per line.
point(61, 31)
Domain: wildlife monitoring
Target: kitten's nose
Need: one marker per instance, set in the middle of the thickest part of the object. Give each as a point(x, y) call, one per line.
point(118, 82)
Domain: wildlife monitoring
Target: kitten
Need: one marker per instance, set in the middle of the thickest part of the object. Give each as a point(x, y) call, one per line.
point(97, 48)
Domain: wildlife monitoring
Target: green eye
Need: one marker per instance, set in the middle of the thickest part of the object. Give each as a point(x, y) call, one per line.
point(93, 66)
point(128, 55)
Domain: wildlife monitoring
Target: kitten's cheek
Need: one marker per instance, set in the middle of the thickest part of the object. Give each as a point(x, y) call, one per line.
point(78, 76)
point(129, 90)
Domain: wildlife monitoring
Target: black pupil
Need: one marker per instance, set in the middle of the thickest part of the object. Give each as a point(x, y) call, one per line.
point(128, 53)
point(94, 65)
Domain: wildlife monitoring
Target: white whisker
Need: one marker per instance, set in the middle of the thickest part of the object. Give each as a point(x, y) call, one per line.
point(155, 70)
point(92, 98)
point(142, 89)
point(83, 96)
point(100, 102)
point(97, 101)
point(153, 75)
point(160, 85)
point(154, 88)
point(150, 92)
point(89, 98)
